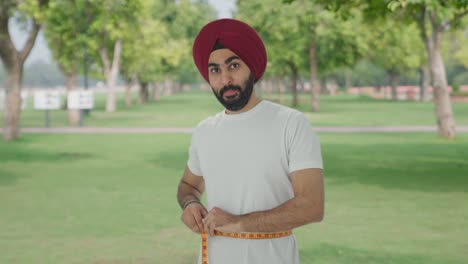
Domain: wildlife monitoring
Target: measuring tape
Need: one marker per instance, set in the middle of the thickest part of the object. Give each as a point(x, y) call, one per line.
point(241, 236)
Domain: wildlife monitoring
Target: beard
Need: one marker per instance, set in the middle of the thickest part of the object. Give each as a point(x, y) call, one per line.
point(241, 99)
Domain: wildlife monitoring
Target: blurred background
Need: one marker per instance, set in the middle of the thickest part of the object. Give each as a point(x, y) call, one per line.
point(99, 97)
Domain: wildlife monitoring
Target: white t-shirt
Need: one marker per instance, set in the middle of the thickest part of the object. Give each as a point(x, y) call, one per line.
point(245, 160)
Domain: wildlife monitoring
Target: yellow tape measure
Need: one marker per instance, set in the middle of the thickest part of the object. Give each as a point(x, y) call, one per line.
point(241, 236)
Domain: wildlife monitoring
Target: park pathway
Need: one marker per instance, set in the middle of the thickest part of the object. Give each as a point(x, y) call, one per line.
point(188, 130)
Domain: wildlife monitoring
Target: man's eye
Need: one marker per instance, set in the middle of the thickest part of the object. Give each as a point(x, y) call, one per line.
point(234, 66)
point(214, 70)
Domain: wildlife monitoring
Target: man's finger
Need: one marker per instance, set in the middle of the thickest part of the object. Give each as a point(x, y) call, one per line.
point(212, 227)
point(204, 212)
point(206, 228)
point(198, 221)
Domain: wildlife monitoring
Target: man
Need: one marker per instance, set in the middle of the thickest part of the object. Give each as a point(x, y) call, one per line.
point(259, 162)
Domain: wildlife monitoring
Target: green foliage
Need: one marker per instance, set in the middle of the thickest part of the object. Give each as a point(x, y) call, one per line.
point(289, 29)
point(460, 79)
point(65, 32)
point(460, 51)
point(366, 73)
point(280, 32)
point(36, 9)
point(160, 46)
point(395, 46)
point(79, 25)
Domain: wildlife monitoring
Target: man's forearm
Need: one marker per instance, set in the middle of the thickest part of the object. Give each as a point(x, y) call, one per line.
point(187, 193)
point(291, 214)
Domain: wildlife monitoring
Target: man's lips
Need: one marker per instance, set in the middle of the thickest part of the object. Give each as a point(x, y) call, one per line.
point(230, 93)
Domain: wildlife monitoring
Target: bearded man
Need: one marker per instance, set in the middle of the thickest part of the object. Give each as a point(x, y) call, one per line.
point(259, 162)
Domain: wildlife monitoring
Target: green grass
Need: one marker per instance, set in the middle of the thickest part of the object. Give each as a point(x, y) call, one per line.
point(390, 198)
point(187, 109)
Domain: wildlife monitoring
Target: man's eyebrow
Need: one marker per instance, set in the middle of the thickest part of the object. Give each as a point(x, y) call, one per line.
point(228, 60)
point(231, 59)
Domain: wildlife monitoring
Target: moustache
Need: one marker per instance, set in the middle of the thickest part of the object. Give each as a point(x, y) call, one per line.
point(229, 87)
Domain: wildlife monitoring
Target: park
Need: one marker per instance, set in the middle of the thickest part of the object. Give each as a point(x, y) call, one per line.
point(98, 183)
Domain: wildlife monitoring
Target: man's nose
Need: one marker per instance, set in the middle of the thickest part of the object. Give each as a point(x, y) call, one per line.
point(226, 78)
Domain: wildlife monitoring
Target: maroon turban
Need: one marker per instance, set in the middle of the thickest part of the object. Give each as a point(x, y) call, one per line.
point(234, 35)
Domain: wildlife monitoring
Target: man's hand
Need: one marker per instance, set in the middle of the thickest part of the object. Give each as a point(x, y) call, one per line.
point(222, 221)
point(192, 217)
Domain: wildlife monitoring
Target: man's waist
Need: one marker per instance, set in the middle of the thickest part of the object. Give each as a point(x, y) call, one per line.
point(253, 235)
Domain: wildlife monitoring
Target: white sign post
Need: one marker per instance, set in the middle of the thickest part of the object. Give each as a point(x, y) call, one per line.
point(80, 100)
point(47, 100)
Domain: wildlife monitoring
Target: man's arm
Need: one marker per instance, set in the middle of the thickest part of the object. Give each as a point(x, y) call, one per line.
point(307, 206)
point(190, 190)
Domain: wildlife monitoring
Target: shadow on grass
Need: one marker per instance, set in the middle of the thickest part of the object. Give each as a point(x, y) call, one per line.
point(327, 253)
point(22, 154)
point(8, 177)
point(174, 160)
point(421, 167)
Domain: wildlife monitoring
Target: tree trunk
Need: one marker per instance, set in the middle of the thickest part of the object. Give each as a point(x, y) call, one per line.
point(130, 81)
point(177, 87)
point(394, 77)
point(168, 87)
point(156, 92)
point(293, 83)
point(315, 88)
point(443, 105)
point(323, 86)
point(282, 90)
point(13, 61)
point(424, 81)
point(70, 84)
point(348, 79)
point(12, 106)
point(128, 93)
point(111, 72)
point(144, 94)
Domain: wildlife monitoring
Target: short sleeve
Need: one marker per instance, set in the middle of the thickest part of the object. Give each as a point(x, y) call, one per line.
point(193, 162)
point(303, 145)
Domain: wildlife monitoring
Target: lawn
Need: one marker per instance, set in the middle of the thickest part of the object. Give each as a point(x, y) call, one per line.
point(390, 198)
point(187, 109)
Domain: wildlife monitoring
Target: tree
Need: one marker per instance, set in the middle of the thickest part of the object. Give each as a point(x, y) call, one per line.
point(301, 35)
point(32, 14)
point(110, 21)
point(395, 47)
point(146, 48)
point(183, 19)
point(277, 27)
point(441, 15)
point(65, 32)
point(434, 18)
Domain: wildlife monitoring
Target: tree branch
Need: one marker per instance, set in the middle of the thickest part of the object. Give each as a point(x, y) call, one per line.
point(421, 19)
point(23, 54)
point(455, 19)
point(117, 52)
point(8, 51)
point(105, 60)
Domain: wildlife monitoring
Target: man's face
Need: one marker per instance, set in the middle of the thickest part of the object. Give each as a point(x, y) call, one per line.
point(230, 78)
